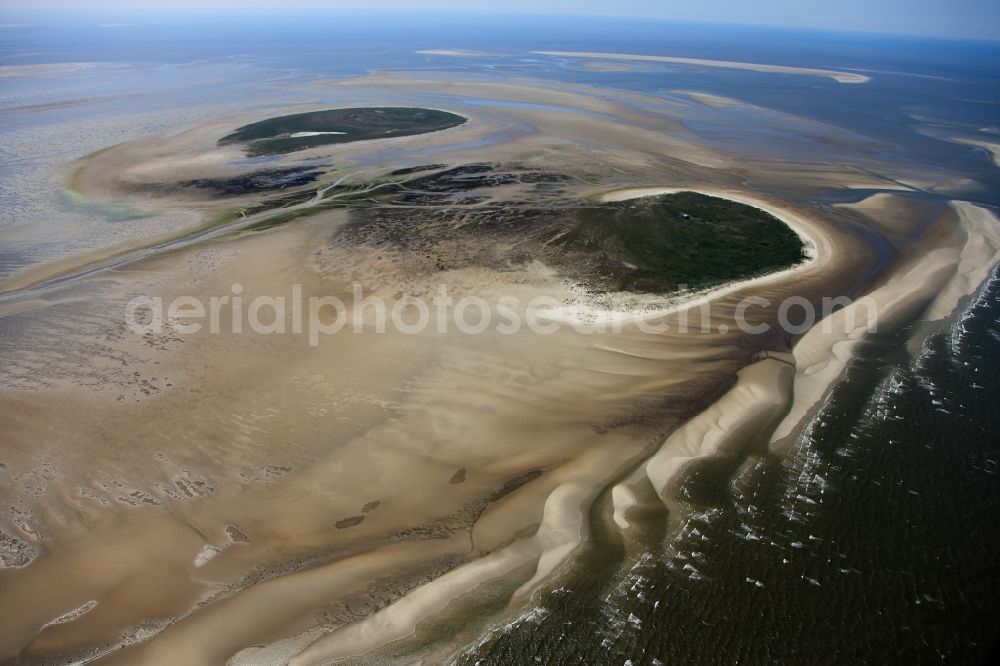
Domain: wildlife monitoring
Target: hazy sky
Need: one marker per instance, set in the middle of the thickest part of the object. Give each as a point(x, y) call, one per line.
point(972, 18)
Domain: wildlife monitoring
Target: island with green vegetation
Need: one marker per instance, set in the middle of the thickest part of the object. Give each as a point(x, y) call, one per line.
point(299, 131)
point(656, 244)
point(675, 241)
point(495, 216)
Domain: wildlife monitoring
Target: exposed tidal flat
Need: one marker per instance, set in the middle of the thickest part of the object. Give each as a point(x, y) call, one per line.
point(250, 498)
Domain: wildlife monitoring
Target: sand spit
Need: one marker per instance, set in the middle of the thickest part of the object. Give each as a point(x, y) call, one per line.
point(991, 147)
point(979, 255)
point(773, 396)
point(895, 216)
point(840, 77)
point(928, 285)
point(72, 615)
point(751, 408)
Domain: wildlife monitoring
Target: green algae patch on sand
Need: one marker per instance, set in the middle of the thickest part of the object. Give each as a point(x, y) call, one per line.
point(72, 200)
point(299, 131)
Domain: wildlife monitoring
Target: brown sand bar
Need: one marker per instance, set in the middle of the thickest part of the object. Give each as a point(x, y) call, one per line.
point(840, 77)
point(774, 396)
point(991, 147)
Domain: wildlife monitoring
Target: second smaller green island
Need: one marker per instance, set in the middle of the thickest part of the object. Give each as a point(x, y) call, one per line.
point(299, 131)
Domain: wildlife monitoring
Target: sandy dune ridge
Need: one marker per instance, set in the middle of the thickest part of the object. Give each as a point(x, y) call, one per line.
point(774, 396)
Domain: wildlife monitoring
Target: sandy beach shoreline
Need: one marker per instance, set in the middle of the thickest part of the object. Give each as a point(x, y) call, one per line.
point(775, 396)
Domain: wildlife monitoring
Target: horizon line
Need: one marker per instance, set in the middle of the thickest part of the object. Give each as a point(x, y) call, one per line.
point(469, 13)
